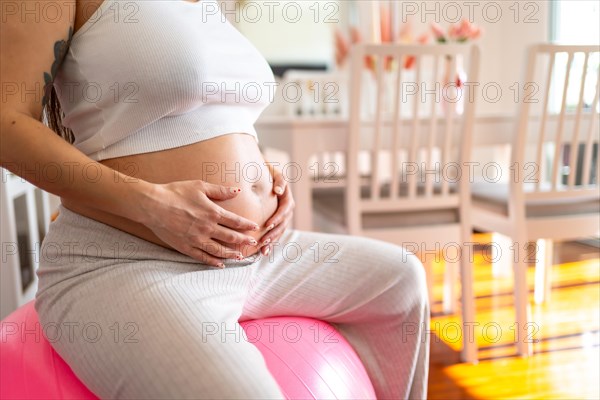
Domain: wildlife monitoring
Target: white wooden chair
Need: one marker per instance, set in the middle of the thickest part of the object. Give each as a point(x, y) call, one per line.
point(552, 193)
point(412, 195)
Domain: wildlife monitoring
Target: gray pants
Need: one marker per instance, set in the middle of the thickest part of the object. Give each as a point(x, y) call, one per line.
point(136, 320)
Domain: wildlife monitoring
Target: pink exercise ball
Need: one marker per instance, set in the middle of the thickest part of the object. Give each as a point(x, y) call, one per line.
point(308, 358)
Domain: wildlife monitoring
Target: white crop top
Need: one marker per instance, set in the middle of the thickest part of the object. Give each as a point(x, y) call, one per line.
point(150, 75)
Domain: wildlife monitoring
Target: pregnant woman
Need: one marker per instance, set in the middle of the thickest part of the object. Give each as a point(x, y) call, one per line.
point(172, 227)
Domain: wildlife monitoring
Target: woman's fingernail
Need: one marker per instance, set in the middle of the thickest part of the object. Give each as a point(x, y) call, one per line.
point(220, 265)
point(266, 242)
point(267, 251)
point(234, 190)
point(270, 227)
point(278, 189)
point(253, 242)
point(239, 257)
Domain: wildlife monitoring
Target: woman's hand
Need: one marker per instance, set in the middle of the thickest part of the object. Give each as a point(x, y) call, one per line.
point(279, 221)
point(183, 215)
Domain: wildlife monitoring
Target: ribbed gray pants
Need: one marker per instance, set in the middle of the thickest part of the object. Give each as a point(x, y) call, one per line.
point(136, 320)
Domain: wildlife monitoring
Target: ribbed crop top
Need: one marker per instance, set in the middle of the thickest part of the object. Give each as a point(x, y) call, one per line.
point(149, 75)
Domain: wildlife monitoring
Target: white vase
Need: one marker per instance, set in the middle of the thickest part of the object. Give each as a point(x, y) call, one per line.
point(453, 93)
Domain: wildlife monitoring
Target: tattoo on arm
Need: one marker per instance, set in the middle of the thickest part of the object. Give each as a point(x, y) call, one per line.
point(60, 51)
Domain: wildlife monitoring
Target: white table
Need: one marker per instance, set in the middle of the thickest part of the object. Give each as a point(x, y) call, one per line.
point(300, 138)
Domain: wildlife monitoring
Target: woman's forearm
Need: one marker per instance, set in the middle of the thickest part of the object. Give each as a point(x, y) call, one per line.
point(34, 152)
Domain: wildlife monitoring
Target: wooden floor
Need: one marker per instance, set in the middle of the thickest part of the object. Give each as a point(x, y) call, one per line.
point(566, 359)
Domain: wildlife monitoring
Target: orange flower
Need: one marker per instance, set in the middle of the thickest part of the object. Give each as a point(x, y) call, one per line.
point(342, 47)
point(385, 24)
point(463, 31)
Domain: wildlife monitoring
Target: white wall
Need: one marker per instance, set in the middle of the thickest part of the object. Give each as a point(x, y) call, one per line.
point(503, 46)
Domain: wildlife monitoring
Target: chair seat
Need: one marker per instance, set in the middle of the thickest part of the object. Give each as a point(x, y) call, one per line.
point(330, 203)
point(493, 197)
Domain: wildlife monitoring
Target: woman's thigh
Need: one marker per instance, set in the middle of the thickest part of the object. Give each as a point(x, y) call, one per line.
point(338, 278)
point(156, 333)
point(135, 320)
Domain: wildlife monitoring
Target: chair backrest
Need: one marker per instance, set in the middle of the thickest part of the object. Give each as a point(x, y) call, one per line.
point(404, 111)
point(556, 142)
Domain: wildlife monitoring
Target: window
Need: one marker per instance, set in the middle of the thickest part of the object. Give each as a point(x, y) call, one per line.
point(574, 22)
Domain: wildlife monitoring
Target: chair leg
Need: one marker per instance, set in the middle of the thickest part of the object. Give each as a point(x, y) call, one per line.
point(469, 350)
point(501, 255)
point(521, 293)
point(543, 270)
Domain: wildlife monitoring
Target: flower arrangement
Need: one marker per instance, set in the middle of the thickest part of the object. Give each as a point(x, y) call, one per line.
point(342, 47)
point(453, 81)
point(460, 32)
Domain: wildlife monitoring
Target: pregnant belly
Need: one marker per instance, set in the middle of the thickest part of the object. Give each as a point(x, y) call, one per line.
point(229, 160)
